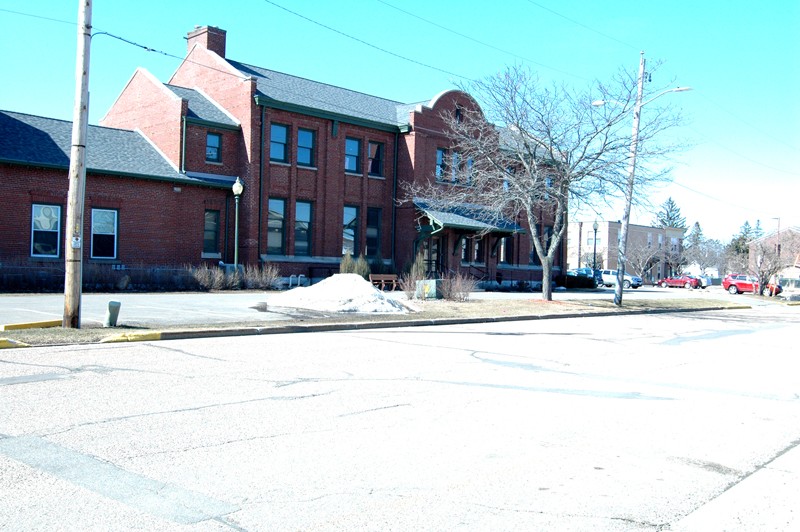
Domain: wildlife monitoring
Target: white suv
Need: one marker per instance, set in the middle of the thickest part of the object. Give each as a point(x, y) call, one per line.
point(630, 281)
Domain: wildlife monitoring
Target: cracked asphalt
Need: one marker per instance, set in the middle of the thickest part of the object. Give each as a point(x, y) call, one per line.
point(647, 422)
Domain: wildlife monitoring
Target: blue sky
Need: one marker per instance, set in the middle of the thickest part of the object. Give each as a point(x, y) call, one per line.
point(741, 58)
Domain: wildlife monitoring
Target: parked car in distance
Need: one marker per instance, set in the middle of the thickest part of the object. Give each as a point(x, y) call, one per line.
point(680, 281)
point(737, 283)
point(581, 272)
point(609, 278)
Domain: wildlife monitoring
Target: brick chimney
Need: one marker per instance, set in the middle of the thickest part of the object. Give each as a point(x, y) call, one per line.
point(208, 37)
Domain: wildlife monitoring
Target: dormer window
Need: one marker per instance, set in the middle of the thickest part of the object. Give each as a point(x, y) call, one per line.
point(213, 148)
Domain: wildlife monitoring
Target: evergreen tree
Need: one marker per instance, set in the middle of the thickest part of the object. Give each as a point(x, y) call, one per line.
point(670, 215)
point(758, 232)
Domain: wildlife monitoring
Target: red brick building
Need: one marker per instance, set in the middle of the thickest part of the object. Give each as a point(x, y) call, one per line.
point(322, 169)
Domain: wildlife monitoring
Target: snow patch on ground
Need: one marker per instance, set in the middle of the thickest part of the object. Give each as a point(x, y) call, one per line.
point(344, 292)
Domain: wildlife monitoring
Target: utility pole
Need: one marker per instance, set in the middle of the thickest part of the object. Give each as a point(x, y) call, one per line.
point(73, 250)
point(622, 258)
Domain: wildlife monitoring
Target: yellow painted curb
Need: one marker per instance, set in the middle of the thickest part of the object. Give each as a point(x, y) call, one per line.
point(31, 325)
point(132, 337)
point(6, 343)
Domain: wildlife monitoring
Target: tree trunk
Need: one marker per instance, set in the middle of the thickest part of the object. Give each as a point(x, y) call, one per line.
point(547, 284)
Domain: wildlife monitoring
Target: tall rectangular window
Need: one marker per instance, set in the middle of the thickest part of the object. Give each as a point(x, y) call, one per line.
point(507, 250)
point(46, 231)
point(352, 155)
point(305, 147)
point(373, 232)
point(211, 232)
point(441, 163)
point(375, 158)
point(478, 251)
point(350, 231)
point(104, 234)
point(213, 147)
point(278, 143)
point(465, 256)
point(276, 226)
point(302, 228)
point(455, 166)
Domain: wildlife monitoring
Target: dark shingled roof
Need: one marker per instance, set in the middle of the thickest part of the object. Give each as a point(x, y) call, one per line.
point(38, 141)
point(466, 216)
point(318, 96)
point(201, 108)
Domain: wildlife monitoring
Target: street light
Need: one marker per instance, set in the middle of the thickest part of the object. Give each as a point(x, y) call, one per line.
point(623, 235)
point(238, 188)
point(594, 253)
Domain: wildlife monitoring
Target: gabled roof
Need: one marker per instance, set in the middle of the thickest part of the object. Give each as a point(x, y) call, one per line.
point(468, 217)
point(276, 89)
point(201, 108)
point(46, 142)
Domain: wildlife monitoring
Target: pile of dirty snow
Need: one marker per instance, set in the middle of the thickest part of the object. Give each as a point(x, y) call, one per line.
point(344, 292)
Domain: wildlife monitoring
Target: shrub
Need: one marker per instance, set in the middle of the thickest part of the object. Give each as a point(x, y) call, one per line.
point(263, 277)
point(457, 286)
point(416, 272)
point(347, 264)
point(362, 267)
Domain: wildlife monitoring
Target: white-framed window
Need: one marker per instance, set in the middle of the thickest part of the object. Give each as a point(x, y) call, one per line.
point(104, 234)
point(45, 230)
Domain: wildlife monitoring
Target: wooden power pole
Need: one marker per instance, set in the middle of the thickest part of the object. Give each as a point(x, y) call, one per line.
point(73, 250)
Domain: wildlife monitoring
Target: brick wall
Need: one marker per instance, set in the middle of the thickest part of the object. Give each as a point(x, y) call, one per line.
point(160, 224)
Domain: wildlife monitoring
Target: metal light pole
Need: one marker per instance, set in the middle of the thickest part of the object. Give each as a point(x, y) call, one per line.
point(238, 188)
point(594, 253)
point(623, 234)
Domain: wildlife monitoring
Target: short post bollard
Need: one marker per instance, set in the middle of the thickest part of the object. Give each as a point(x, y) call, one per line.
point(112, 314)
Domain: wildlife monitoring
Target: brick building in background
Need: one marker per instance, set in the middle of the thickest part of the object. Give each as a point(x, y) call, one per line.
point(322, 169)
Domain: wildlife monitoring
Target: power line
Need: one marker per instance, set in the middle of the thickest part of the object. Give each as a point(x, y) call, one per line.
point(748, 124)
point(37, 16)
point(540, 6)
point(404, 58)
point(468, 37)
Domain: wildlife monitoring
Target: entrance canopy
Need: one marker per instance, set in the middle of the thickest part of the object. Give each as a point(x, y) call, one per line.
point(466, 217)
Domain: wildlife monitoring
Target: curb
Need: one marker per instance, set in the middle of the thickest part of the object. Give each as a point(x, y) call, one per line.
point(367, 325)
point(31, 325)
point(6, 343)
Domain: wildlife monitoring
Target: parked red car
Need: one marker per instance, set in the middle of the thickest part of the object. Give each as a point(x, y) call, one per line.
point(685, 281)
point(736, 283)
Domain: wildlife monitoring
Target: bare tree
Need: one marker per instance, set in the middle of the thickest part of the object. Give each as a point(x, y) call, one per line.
point(642, 258)
point(534, 149)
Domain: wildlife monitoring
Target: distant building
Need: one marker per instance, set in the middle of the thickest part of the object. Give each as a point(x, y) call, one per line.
point(653, 252)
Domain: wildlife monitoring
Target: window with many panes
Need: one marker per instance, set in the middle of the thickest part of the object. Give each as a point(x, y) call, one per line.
point(352, 155)
point(302, 228)
point(441, 163)
point(211, 232)
point(373, 232)
point(276, 226)
point(305, 147)
point(278, 143)
point(213, 147)
point(45, 230)
point(350, 231)
point(104, 234)
point(375, 158)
